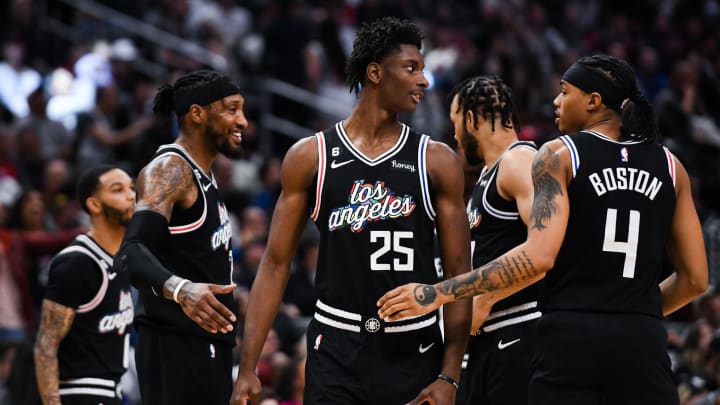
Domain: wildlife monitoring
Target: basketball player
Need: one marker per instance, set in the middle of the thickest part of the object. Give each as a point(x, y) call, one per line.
point(483, 115)
point(82, 344)
point(177, 248)
point(609, 203)
point(375, 189)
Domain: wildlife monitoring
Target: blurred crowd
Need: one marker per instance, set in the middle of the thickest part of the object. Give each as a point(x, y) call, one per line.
point(69, 101)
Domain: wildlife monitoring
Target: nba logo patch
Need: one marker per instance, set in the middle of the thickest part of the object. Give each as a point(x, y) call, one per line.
point(624, 155)
point(318, 339)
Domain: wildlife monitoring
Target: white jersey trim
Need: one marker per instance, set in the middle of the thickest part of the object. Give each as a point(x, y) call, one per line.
point(574, 155)
point(178, 229)
point(424, 183)
point(345, 139)
point(100, 392)
point(500, 214)
point(97, 299)
point(671, 164)
point(322, 163)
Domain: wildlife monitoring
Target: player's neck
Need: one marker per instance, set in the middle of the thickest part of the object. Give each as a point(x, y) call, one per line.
point(369, 127)
point(198, 151)
point(607, 126)
point(109, 237)
point(493, 147)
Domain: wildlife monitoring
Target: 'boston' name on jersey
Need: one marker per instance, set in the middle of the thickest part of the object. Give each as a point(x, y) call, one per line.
point(625, 178)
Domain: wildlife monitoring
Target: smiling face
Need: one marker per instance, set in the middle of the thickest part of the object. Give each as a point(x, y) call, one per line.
point(225, 123)
point(570, 111)
point(401, 80)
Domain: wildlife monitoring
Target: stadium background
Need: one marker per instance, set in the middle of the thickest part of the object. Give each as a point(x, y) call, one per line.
point(67, 64)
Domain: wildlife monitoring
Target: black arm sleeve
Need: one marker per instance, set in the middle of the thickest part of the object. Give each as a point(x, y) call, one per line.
point(147, 231)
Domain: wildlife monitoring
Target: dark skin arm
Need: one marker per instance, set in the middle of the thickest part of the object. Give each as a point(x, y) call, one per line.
point(288, 220)
point(448, 181)
point(686, 249)
point(161, 185)
point(514, 183)
point(546, 231)
point(54, 326)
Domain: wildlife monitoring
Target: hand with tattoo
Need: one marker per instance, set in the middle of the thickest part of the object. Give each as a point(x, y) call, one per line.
point(411, 299)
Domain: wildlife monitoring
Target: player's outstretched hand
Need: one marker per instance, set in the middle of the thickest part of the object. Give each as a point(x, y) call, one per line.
point(438, 393)
point(199, 304)
point(411, 299)
point(247, 387)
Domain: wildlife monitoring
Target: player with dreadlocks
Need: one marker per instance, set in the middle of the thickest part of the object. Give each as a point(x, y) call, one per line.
point(177, 248)
point(609, 203)
point(485, 122)
point(375, 189)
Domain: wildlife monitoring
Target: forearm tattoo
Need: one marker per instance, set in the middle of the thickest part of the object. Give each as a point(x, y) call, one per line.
point(546, 187)
point(55, 324)
point(500, 273)
point(425, 294)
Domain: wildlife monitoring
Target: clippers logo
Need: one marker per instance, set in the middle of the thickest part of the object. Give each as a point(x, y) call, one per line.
point(222, 235)
point(624, 155)
point(474, 217)
point(122, 318)
point(370, 202)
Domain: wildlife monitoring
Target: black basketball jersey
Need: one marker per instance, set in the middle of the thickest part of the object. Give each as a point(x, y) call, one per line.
point(495, 228)
point(199, 250)
point(622, 200)
point(98, 341)
point(375, 217)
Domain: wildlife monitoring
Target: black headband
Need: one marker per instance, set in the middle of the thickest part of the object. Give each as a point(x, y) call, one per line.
point(203, 94)
point(591, 81)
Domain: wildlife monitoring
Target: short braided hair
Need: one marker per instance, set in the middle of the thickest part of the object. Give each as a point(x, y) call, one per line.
point(489, 97)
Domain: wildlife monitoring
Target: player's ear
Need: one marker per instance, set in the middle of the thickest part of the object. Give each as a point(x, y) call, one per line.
point(470, 119)
point(594, 101)
point(373, 72)
point(197, 114)
point(93, 205)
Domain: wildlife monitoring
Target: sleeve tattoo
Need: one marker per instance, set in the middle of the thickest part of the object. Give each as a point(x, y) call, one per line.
point(166, 180)
point(546, 186)
point(500, 273)
point(54, 326)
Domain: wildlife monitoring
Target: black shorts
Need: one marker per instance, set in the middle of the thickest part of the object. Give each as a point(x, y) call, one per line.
point(593, 358)
point(182, 369)
point(498, 368)
point(345, 367)
point(89, 400)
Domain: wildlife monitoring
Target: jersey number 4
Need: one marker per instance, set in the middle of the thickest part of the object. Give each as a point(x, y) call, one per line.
point(629, 248)
point(391, 241)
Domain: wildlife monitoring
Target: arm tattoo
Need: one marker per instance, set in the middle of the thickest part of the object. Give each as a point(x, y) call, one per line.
point(546, 187)
point(425, 294)
point(163, 184)
point(500, 273)
point(55, 324)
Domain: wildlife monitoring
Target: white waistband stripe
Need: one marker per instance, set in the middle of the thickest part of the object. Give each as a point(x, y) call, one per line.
point(512, 310)
point(512, 321)
point(411, 326)
point(336, 324)
point(338, 312)
point(103, 382)
point(100, 392)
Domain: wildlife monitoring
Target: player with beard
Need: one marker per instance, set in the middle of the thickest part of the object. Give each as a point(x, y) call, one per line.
point(483, 115)
point(82, 344)
point(177, 248)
